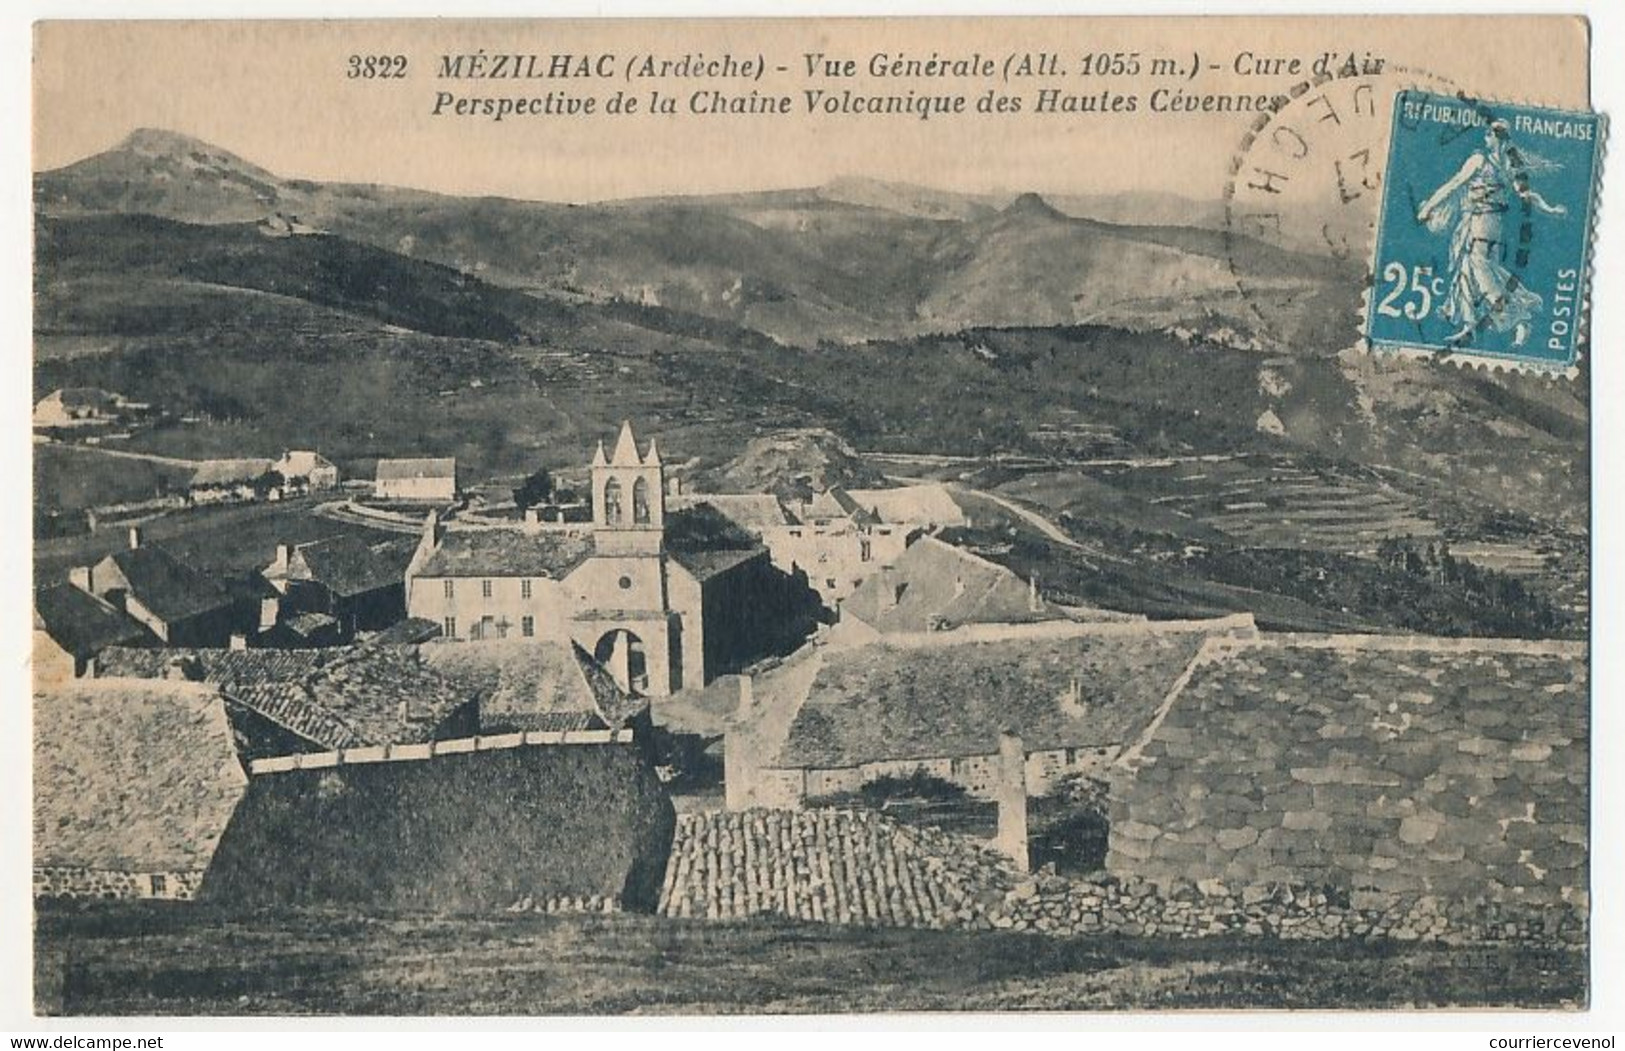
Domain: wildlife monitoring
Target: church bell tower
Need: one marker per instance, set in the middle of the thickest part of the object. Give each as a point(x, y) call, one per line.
point(628, 498)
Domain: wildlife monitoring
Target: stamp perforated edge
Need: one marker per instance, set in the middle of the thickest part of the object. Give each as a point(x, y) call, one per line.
point(1476, 360)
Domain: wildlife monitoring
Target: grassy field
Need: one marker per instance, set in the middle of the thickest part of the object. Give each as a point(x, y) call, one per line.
point(182, 959)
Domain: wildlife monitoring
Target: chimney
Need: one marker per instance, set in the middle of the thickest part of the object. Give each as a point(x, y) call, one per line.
point(1010, 790)
point(533, 522)
point(432, 531)
point(239, 641)
point(674, 487)
point(1035, 601)
point(135, 537)
point(79, 577)
point(747, 693)
point(284, 555)
point(270, 608)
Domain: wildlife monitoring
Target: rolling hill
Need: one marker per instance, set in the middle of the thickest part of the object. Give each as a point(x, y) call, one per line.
point(853, 260)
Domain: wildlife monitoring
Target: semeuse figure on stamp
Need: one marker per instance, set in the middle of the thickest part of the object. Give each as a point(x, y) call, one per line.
point(1483, 292)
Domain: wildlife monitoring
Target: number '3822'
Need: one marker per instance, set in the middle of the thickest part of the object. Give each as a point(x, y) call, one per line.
point(375, 67)
point(1412, 293)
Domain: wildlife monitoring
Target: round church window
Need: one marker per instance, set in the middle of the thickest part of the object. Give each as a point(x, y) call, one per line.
point(626, 583)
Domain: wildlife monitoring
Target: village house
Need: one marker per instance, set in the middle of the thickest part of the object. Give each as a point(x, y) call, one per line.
point(1076, 694)
point(936, 586)
point(663, 600)
point(134, 784)
point(341, 583)
point(288, 701)
point(305, 471)
point(232, 481)
point(544, 686)
point(81, 406)
point(176, 603)
point(429, 480)
point(71, 629)
point(837, 538)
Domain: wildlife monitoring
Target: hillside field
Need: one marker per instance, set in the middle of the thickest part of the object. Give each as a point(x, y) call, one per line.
point(180, 959)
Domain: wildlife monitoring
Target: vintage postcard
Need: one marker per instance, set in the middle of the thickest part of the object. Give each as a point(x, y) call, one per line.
point(812, 515)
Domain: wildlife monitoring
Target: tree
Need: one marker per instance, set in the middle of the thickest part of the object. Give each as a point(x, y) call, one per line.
point(534, 490)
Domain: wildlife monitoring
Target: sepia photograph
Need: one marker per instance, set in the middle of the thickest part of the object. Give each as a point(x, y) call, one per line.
point(812, 516)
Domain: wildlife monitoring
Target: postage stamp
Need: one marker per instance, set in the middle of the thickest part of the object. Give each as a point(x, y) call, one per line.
point(1484, 231)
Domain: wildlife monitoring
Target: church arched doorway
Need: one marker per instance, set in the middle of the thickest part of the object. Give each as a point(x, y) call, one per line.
point(621, 653)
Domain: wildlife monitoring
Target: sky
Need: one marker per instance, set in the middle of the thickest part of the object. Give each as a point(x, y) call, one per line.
point(276, 94)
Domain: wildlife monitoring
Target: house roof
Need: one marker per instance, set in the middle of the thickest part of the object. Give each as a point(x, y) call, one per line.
point(834, 502)
point(426, 467)
point(912, 505)
point(300, 463)
point(530, 684)
point(889, 701)
point(132, 776)
point(229, 472)
point(81, 623)
point(82, 398)
point(167, 586)
point(338, 698)
point(706, 541)
point(752, 512)
point(347, 566)
point(506, 552)
point(1472, 753)
point(704, 565)
point(935, 585)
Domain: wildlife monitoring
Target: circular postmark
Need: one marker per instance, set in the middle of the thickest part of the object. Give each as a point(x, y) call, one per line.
point(1301, 203)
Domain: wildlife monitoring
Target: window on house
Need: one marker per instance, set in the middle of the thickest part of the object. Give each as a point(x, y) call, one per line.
point(485, 589)
point(524, 590)
point(829, 582)
point(451, 588)
point(527, 627)
point(448, 627)
point(476, 630)
point(866, 550)
point(160, 883)
point(1071, 756)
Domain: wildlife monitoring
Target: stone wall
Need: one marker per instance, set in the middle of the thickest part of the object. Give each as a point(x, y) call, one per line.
point(83, 884)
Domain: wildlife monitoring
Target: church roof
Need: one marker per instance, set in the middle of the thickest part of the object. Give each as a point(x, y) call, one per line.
point(507, 553)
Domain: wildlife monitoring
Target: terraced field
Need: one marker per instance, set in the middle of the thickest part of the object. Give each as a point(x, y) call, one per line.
point(1267, 502)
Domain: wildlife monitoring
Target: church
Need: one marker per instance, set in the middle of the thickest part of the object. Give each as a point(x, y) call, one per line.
point(664, 599)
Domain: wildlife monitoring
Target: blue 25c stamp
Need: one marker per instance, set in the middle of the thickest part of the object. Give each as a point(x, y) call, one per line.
point(1484, 232)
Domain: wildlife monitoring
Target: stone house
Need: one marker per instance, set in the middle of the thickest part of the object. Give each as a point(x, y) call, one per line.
point(78, 406)
point(134, 785)
point(72, 627)
point(232, 481)
point(539, 686)
point(422, 480)
point(936, 586)
point(1077, 694)
point(176, 603)
point(306, 471)
point(663, 599)
point(1395, 770)
point(359, 586)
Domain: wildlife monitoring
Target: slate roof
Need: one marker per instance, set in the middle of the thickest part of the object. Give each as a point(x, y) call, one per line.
point(1397, 764)
point(426, 467)
point(229, 472)
point(132, 776)
point(934, 585)
point(886, 701)
point(167, 586)
point(707, 542)
point(81, 623)
point(338, 698)
point(530, 684)
point(507, 553)
point(912, 504)
point(750, 512)
point(348, 567)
